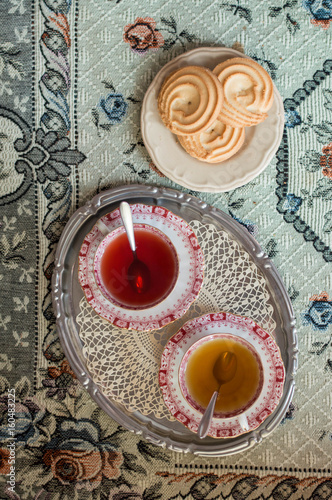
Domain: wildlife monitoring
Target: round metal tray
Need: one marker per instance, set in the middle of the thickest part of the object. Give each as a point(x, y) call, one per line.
point(66, 295)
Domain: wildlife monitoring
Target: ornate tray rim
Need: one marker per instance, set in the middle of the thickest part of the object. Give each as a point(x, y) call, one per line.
point(166, 434)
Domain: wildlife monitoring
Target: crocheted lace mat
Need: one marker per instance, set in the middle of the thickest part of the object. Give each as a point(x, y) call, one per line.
point(125, 364)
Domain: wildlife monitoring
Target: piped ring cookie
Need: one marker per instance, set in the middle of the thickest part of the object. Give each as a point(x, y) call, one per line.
point(216, 144)
point(190, 100)
point(248, 92)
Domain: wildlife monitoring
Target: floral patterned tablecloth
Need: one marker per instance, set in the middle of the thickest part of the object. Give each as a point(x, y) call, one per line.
point(73, 74)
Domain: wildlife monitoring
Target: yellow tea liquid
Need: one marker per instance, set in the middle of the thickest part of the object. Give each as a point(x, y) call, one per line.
point(233, 395)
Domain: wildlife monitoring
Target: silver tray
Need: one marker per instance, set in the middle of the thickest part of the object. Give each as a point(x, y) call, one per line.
point(66, 295)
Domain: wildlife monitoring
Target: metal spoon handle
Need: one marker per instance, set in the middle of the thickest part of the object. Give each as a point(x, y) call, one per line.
point(127, 220)
point(205, 423)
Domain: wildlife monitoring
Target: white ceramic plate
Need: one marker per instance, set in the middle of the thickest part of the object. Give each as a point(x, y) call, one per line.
point(210, 325)
point(186, 288)
point(261, 142)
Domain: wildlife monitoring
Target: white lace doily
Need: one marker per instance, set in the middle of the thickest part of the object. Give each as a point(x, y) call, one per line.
point(125, 364)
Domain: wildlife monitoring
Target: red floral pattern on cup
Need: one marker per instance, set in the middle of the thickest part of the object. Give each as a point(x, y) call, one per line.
point(190, 272)
point(211, 324)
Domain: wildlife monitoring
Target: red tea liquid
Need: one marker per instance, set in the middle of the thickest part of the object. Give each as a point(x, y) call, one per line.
point(158, 255)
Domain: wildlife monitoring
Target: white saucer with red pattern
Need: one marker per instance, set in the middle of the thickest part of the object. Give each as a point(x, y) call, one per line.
point(190, 269)
point(207, 327)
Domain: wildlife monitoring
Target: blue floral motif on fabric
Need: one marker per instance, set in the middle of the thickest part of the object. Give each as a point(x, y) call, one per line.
point(292, 203)
point(319, 314)
point(28, 421)
point(114, 107)
point(319, 10)
point(77, 435)
point(292, 118)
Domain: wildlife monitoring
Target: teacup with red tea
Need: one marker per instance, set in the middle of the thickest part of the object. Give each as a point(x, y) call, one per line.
point(114, 258)
point(166, 247)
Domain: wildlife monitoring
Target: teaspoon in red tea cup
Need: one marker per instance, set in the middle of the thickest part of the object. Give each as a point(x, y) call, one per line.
point(138, 273)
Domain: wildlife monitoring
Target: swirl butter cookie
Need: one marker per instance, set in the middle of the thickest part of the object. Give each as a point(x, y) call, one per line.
point(248, 92)
point(216, 144)
point(190, 100)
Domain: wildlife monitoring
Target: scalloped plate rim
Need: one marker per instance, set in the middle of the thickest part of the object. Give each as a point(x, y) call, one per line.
point(146, 113)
